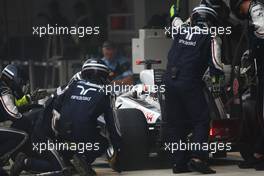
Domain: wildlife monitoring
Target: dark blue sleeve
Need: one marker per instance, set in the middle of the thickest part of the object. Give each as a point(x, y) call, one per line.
point(60, 97)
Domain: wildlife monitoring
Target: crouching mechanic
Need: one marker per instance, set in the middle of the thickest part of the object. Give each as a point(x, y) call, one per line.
point(77, 109)
point(187, 109)
point(75, 112)
point(253, 11)
point(12, 82)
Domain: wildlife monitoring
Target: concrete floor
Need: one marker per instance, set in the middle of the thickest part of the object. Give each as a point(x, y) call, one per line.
point(221, 171)
point(223, 167)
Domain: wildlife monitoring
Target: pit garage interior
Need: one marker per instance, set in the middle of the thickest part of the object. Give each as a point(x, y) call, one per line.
point(119, 21)
point(137, 29)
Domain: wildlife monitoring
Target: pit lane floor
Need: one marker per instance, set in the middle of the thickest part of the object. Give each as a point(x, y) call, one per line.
point(223, 167)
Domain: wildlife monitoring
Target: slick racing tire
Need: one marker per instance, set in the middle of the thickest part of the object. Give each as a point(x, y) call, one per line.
point(250, 129)
point(135, 146)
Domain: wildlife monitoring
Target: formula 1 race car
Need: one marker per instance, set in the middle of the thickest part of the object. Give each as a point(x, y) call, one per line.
point(141, 115)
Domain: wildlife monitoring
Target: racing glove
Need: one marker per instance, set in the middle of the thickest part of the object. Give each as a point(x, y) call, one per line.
point(25, 100)
point(33, 97)
point(174, 10)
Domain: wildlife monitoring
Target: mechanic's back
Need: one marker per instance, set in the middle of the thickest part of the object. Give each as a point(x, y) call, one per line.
point(186, 107)
point(82, 103)
point(188, 57)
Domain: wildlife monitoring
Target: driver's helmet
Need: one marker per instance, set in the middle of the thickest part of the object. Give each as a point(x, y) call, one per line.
point(95, 70)
point(16, 79)
point(203, 16)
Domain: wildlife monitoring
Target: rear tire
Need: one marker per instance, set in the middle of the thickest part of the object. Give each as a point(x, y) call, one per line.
point(135, 145)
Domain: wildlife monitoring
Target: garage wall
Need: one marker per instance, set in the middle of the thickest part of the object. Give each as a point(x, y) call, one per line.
point(15, 16)
point(161, 7)
point(157, 7)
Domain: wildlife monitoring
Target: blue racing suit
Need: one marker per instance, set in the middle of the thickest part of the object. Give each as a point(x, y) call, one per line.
point(185, 104)
point(76, 113)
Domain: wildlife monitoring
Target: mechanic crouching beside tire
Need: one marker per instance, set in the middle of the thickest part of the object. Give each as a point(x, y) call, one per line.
point(253, 11)
point(12, 82)
point(76, 111)
point(186, 107)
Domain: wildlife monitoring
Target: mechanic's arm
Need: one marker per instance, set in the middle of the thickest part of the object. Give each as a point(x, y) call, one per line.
point(216, 64)
point(176, 21)
point(8, 103)
point(59, 96)
point(76, 77)
point(112, 125)
point(62, 89)
point(29, 98)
